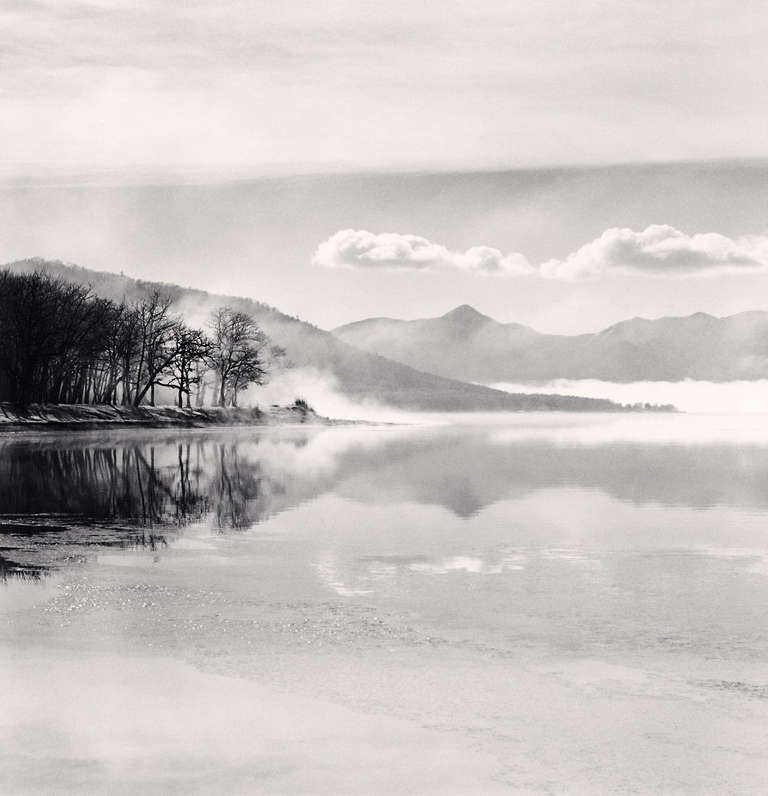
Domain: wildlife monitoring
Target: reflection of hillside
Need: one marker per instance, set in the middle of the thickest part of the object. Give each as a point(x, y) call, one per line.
point(466, 471)
point(126, 490)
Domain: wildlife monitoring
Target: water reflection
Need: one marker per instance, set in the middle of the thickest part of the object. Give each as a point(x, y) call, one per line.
point(132, 490)
point(240, 491)
point(97, 484)
point(19, 571)
point(128, 492)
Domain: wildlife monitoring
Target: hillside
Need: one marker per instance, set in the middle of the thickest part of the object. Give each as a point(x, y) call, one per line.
point(358, 374)
point(464, 344)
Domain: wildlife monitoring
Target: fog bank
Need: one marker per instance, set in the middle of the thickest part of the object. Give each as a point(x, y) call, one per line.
point(705, 397)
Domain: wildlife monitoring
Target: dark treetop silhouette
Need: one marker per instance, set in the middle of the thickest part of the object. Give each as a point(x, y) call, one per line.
point(61, 344)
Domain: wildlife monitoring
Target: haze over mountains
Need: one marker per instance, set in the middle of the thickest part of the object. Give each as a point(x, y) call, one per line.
point(465, 344)
point(358, 375)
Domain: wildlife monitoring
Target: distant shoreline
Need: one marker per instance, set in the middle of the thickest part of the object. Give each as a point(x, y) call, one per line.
point(92, 416)
point(87, 416)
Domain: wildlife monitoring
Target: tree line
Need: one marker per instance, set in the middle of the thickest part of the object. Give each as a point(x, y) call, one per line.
point(61, 344)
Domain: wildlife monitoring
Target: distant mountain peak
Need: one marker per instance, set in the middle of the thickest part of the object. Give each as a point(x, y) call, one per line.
point(465, 314)
point(704, 316)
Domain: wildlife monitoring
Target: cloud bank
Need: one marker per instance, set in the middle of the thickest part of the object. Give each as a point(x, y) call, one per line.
point(659, 250)
point(356, 248)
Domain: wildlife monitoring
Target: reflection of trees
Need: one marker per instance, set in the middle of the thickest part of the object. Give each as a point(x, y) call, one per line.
point(241, 492)
point(15, 569)
point(166, 495)
point(99, 485)
point(131, 491)
point(232, 488)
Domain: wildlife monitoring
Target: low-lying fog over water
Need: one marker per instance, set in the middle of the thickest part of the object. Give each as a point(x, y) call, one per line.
point(688, 395)
point(549, 603)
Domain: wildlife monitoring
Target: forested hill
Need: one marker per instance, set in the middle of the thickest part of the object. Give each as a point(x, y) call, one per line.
point(358, 374)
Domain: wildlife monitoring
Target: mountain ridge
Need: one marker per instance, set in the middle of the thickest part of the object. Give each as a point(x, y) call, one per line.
point(671, 348)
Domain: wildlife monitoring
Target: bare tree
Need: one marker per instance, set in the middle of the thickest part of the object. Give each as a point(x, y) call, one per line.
point(125, 347)
point(238, 353)
point(54, 335)
point(192, 349)
point(157, 344)
point(62, 344)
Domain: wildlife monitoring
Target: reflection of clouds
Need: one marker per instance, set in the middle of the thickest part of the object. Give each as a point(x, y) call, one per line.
point(360, 576)
point(328, 571)
point(470, 564)
point(573, 556)
point(508, 561)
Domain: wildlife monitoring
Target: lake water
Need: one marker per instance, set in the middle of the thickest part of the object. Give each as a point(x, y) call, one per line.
point(546, 603)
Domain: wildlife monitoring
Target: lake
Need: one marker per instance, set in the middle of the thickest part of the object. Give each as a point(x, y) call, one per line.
point(527, 603)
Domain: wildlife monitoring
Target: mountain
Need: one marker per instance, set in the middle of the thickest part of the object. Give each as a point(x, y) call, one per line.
point(465, 344)
point(360, 375)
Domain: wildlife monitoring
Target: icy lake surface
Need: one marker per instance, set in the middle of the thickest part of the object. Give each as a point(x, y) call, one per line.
point(552, 603)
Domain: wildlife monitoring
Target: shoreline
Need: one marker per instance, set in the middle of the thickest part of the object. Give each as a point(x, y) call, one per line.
point(91, 416)
point(95, 416)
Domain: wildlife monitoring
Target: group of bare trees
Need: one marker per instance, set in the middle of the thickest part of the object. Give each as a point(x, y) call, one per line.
point(59, 343)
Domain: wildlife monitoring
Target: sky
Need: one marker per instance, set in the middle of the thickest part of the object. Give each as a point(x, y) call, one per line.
point(249, 85)
point(463, 145)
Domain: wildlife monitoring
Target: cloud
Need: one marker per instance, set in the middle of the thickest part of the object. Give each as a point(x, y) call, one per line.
point(356, 248)
point(659, 250)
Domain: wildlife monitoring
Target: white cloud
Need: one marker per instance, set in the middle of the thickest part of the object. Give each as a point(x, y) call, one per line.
point(659, 250)
point(356, 248)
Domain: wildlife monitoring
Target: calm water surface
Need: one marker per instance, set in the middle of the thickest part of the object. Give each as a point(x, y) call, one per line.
point(542, 603)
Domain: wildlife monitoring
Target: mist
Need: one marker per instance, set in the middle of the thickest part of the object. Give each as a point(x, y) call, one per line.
point(321, 391)
point(699, 397)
